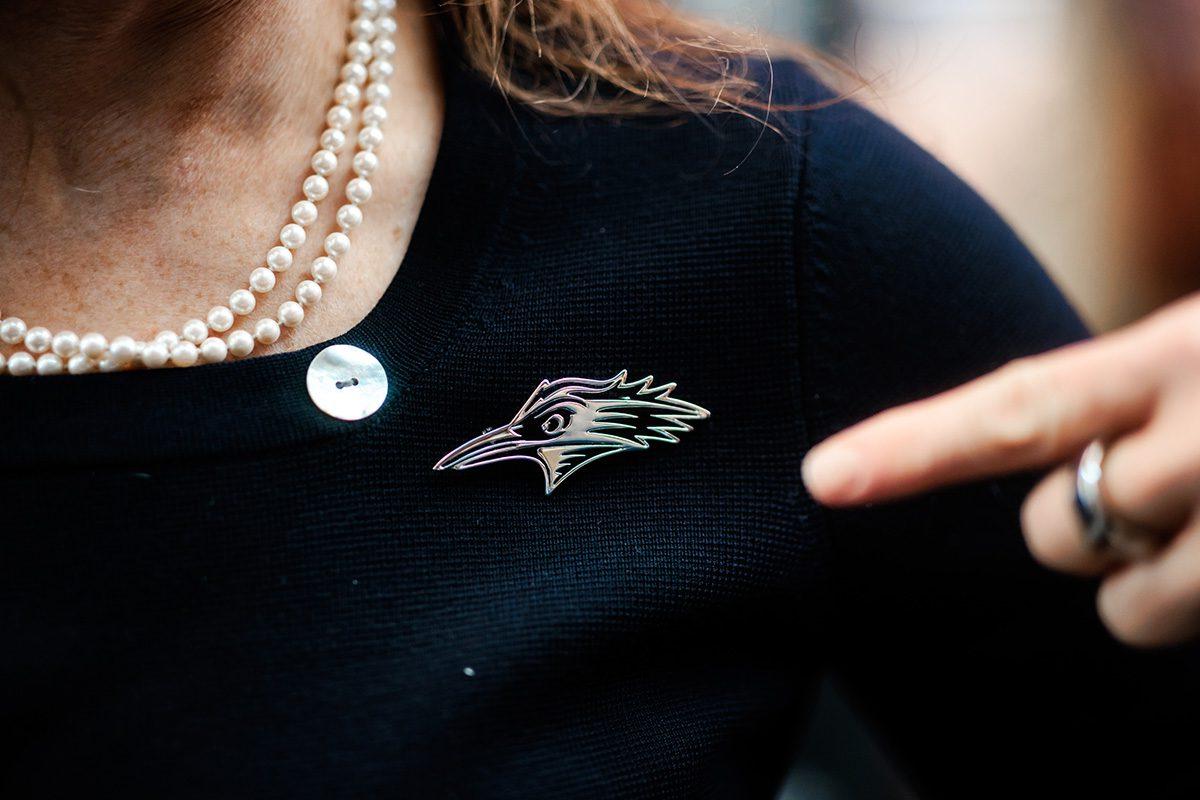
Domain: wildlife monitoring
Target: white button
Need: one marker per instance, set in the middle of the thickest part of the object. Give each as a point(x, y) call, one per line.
point(347, 382)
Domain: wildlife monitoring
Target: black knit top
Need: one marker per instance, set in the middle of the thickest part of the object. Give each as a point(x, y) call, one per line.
point(210, 589)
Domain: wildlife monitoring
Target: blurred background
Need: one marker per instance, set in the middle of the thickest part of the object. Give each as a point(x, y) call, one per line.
point(1079, 120)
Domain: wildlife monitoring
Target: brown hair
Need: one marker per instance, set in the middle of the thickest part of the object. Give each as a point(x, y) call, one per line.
point(609, 57)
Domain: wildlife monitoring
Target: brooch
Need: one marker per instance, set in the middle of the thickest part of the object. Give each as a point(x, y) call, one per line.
point(569, 423)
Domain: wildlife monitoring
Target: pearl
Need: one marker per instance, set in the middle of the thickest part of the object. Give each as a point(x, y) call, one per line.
point(262, 280)
point(365, 162)
point(292, 236)
point(12, 331)
point(333, 140)
point(65, 344)
point(93, 345)
point(21, 363)
point(195, 330)
point(354, 72)
point(122, 349)
point(213, 350)
point(349, 217)
point(279, 258)
point(339, 117)
point(337, 244)
point(347, 94)
point(368, 7)
point(37, 340)
point(308, 293)
point(110, 364)
point(380, 70)
point(291, 313)
point(304, 213)
point(157, 353)
point(370, 137)
point(240, 343)
point(386, 25)
point(80, 364)
point(358, 51)
point(362, 28)
point(359, 190)
point(167, 339)
point(184, 354)
point(220, 319)
point(266, 331)
point(374, 115)
point(49, 364)
point(384, 47)
point(378, 93)
point(315, 187)
point(324, 162)
point(324, 269)
point(241, 302)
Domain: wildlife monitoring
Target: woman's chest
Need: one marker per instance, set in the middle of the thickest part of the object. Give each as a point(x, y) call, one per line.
point(342, 595)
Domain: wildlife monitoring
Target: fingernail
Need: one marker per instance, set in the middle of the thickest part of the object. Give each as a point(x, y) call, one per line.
point(832, 474)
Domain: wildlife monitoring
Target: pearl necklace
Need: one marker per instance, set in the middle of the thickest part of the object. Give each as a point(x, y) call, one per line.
point(368, 63)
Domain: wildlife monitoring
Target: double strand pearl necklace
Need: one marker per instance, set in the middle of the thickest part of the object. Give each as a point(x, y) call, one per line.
point(212, 339)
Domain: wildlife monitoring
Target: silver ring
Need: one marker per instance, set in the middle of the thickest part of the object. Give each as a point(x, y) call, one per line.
point(1102, 530)
point(1089, 502)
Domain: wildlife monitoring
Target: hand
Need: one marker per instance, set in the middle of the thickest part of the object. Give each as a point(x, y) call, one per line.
point(1138, 390)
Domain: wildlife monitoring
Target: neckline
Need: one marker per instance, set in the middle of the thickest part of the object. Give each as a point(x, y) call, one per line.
point(262, 402)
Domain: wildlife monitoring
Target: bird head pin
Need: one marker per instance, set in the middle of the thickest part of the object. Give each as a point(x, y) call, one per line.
point(569, 423)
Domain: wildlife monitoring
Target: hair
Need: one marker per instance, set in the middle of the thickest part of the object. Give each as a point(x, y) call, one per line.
point(611, 57)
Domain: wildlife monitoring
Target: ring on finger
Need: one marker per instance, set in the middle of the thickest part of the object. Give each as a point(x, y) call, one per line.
point(1102, 529)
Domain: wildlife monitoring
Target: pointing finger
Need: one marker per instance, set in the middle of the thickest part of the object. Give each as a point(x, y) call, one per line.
point(1031, 413)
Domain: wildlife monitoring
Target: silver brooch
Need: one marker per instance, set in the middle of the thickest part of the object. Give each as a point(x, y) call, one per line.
point(569, 423)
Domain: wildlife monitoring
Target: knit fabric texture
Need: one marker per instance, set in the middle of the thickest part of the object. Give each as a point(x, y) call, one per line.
point(210, 589)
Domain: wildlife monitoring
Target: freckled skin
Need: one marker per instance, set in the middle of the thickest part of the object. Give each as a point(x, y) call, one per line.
point(152, 152)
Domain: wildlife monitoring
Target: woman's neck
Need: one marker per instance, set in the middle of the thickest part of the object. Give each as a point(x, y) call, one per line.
point(101, 93)
point(146, 140)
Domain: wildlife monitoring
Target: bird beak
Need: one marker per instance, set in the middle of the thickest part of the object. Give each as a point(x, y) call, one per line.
point(483, 449)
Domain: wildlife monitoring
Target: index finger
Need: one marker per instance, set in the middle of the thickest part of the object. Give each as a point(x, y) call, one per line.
point(1033, 412)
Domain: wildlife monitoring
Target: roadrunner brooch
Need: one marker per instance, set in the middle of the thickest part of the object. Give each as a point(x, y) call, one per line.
point(569, 423)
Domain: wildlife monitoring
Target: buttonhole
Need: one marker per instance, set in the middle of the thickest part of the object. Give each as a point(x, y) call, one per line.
point(344, 384)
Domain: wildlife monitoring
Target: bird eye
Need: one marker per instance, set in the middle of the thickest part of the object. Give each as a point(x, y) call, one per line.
point(554, 423)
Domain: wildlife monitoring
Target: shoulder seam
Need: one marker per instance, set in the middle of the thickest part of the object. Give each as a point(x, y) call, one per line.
point(802, 249)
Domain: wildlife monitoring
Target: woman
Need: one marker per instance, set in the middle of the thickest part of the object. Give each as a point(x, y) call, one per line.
point(248, 578)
